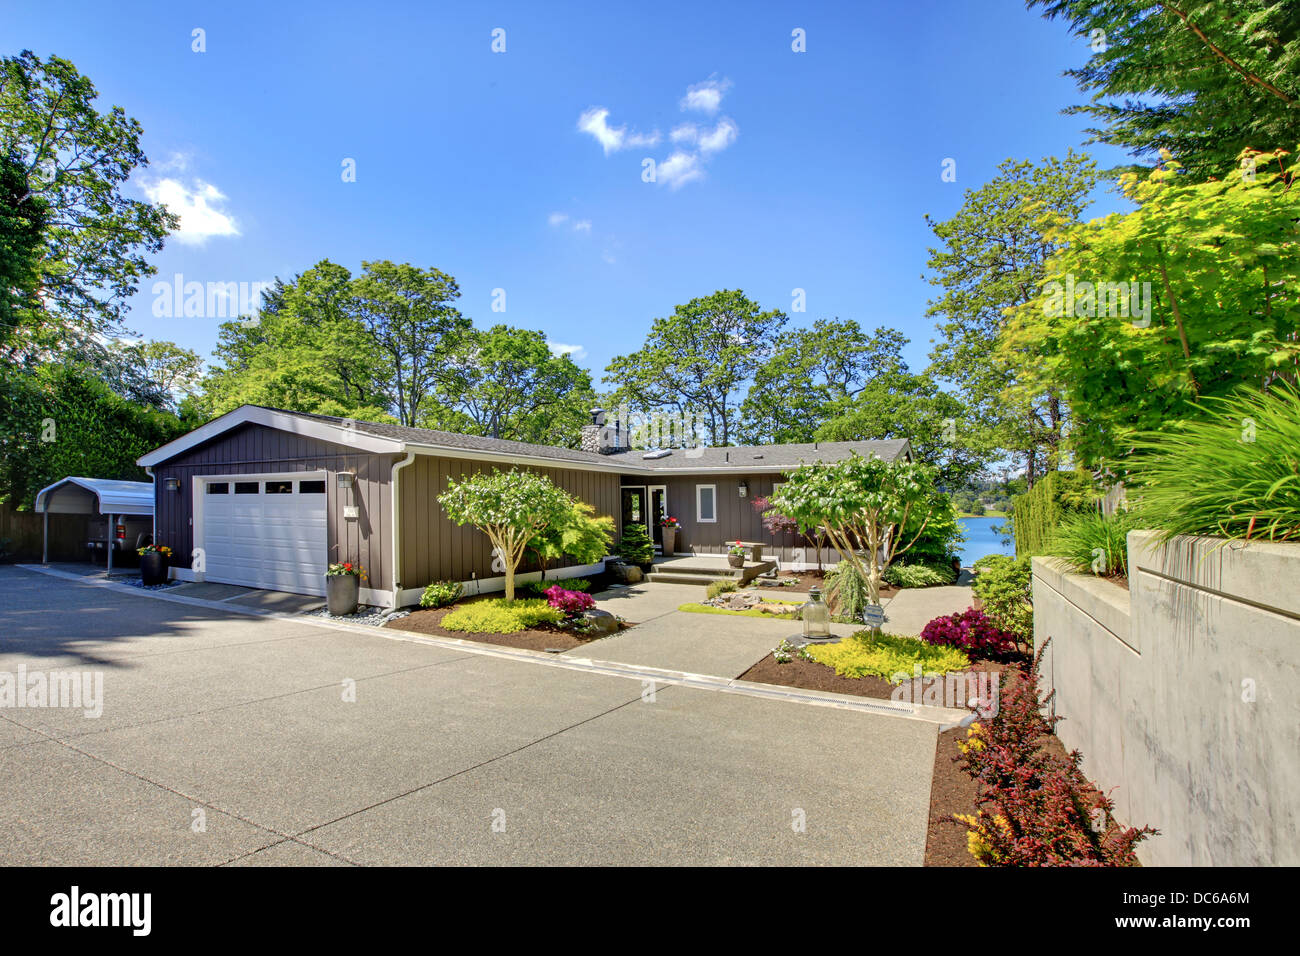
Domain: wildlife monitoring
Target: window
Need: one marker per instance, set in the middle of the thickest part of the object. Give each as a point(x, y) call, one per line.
point(246, 487)
point(279, 487)
point(311, 487)
point(218, 488)
point(706, 510)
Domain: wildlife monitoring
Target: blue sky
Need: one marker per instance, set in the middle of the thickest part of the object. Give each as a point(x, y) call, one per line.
point(807, 170)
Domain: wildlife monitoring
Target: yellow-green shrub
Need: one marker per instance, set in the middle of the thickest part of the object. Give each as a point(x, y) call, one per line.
point(886, 656)
point(499, 616)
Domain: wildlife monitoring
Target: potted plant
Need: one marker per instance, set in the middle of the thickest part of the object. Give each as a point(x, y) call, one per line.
point(669, 526)
point(635, 547)
point(154, 561)
point(342, 588)
point(736, 555)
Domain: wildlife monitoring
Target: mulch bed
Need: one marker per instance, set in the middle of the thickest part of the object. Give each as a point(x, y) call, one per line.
point(810, 675)
point(427, 621)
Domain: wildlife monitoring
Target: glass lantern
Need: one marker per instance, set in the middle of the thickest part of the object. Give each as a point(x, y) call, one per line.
point(816, 617)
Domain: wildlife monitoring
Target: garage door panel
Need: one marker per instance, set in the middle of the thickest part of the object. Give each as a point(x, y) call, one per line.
point(265, 540)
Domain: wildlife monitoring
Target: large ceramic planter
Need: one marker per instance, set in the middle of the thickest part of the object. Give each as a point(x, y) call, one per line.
point(670, 542)
point(153, 568)
point(736, 560)
point(341, 593)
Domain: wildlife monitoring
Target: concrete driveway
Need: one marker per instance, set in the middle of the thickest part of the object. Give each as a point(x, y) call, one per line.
point(230, 739)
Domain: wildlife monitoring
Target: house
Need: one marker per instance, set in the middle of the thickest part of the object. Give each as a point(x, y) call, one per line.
point(268, 498)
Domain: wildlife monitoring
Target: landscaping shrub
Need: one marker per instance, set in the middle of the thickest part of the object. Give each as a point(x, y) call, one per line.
point(569, 603)
point(717, 588)
point(886, 656)
point(1035, 808)
point(1037, 512)
point(539, 588)
point(938, 540)
point(635, 547)
point(499, 616)
point(846, 592)
point(970, 631)
point(917, 575)
point(440, 594)
point(1093, 542)
point(1235, 474)
point(1004, 586)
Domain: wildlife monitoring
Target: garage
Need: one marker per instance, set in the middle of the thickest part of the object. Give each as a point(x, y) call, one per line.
point(265, 531)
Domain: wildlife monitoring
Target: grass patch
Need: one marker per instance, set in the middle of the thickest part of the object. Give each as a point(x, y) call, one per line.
point(499, 616)
point(694, 608)
point(886, 656)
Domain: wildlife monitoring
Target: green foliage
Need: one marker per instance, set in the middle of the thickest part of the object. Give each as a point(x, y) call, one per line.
point(718, 588)
point(578, 533)
point(636, 546)
point(937, 542)
point(1095, 543)
point(846, 592)
point(511, 508)
point(695, 608)
point(1234, 472)
point(886, 656)
point(864, 506)
point(59, 420)
point(95, 242)
point(1221, 260)
point(1038, 511)
point(990, 259)
point(539, 588)
point(1004, 585)
point(914, 575)
point(440, 594)
point(699, 358)
point(1203, 79)
point(501, 616)
point(23, 218)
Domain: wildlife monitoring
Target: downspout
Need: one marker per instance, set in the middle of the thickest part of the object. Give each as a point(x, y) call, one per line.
point(153, 519)
point(397, 529)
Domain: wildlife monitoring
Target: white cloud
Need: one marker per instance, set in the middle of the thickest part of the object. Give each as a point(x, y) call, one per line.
point(196, 205)
point(678, 170)
point(686, 133)
point(582, 225)
point(722, 136)
point(575, 352)
point(557, 218)
point(595, 122)
point(705, 97)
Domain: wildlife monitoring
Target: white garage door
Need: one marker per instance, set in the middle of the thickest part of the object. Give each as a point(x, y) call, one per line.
point(264, 532)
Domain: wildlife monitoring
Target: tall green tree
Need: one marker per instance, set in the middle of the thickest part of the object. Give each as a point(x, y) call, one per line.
point(95, 240)
point(507, 383)
point(22, 223)
point(1203, 79)
point(811, 372)
point(157, 374)
point(991, 259)
point(698, 361)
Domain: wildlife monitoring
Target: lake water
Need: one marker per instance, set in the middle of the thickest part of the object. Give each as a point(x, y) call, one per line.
point(981, 539)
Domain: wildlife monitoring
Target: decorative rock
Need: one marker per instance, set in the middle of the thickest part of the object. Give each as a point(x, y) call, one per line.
point(626, 573)
point(600, 622)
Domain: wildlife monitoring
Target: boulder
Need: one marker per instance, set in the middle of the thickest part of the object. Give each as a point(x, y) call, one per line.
point(626, 573)
point(600, 622)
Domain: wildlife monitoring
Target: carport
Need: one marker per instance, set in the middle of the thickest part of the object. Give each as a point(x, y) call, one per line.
point(94, 496)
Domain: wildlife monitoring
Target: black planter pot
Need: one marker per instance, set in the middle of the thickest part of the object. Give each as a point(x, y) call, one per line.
point(153, 568)
point(341, 593)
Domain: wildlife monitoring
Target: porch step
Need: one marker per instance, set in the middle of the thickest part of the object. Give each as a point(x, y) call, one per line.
point(683, 572)
point(677, 577)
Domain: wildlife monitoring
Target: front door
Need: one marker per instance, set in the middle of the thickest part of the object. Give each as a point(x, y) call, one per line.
point(658, 511)
point(634, 506)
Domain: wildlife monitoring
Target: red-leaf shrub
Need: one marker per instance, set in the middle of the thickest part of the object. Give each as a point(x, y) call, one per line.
point(970, 631)
point(1036, 808)
point(571, 603)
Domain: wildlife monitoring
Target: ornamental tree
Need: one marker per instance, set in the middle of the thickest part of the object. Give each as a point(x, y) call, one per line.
point(861, 505)
point(510, 508)
point(579, 533)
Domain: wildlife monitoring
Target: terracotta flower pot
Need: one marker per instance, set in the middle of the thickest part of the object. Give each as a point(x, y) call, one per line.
point(153, 568)
point(341, 593)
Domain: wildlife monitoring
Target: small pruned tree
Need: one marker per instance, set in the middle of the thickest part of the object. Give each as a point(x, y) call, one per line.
point(511, 508)
point(580, 534)
point(777, 523)
point(861, 505)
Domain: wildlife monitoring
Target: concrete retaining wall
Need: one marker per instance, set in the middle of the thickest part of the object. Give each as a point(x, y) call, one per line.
point(1184, 693)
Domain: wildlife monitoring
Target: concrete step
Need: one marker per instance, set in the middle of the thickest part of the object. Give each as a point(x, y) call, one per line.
point(674, 577)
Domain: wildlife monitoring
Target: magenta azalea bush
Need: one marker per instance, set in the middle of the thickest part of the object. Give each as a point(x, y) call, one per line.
point(972, 632)
point(571, 603)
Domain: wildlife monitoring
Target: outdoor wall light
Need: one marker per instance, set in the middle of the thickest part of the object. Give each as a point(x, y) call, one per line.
point(345, 479)
point(172, 484)
point(744, 490)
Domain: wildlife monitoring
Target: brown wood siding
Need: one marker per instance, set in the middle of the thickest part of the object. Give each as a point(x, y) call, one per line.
point(257, 449)
point(737, 519)
point(434, 548)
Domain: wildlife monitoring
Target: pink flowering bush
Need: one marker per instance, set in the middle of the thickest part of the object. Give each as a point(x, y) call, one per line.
point(972, 632)
point(570, 603)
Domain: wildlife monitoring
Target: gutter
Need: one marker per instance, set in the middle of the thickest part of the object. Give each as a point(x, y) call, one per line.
point(397, 532)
